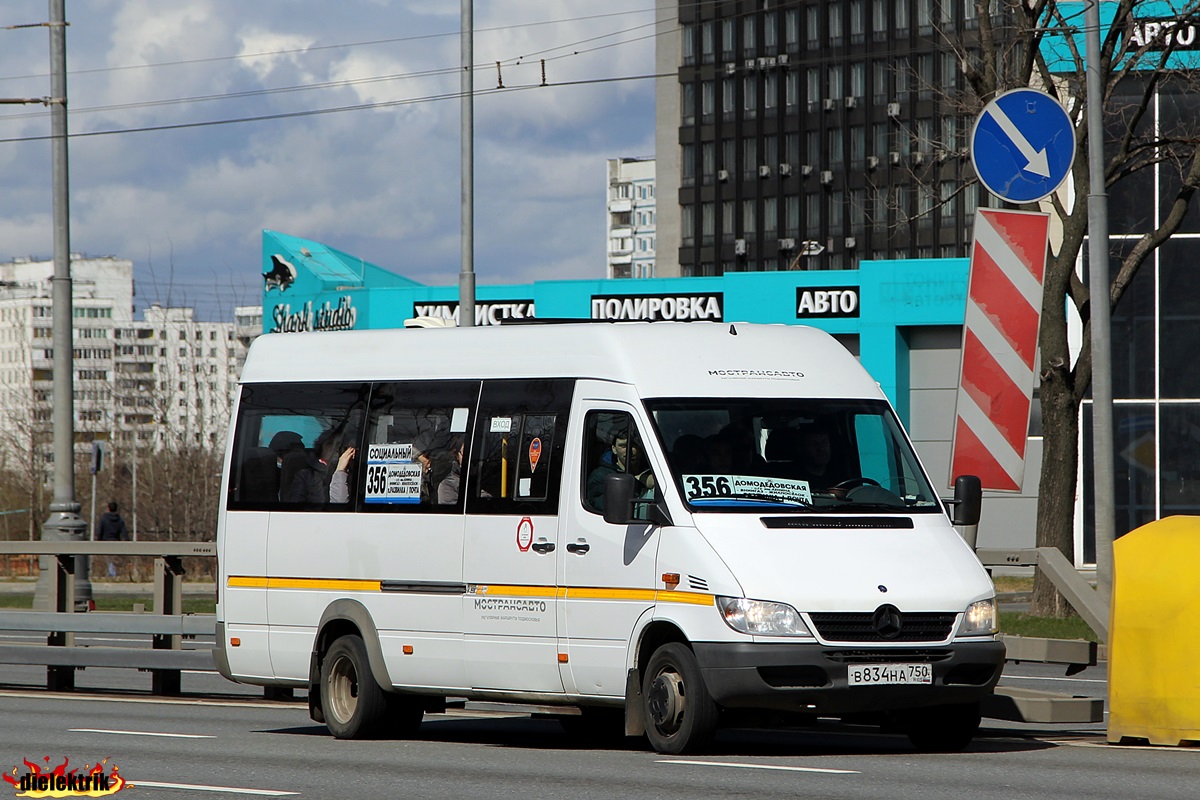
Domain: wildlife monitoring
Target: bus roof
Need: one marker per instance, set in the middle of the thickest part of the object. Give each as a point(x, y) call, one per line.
point(662, 359)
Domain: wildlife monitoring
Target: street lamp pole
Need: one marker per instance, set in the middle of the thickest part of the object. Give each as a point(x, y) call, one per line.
point(64, 522)
point(466, 278)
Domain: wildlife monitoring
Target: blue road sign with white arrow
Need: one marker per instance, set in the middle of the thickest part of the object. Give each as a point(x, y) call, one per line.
point(1022, 145)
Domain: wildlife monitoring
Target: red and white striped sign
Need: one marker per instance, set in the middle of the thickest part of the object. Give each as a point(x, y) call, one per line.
point(999, 352)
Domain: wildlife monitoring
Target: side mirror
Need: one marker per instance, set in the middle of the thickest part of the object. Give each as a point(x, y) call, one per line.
point(618, 498)
point(623, 507)
point(968, 500)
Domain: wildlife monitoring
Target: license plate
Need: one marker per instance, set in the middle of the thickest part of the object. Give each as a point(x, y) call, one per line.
point(878, 674)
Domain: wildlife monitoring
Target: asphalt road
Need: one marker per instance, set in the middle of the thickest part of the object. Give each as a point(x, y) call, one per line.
point(223, 738)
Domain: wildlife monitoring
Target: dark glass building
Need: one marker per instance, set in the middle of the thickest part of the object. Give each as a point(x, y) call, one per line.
point(815, 134)
point(812, 135)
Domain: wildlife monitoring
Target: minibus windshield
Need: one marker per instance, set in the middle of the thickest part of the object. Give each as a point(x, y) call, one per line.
point(804, 455)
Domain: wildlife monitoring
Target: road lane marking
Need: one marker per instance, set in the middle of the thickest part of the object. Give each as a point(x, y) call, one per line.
point(144, 733)
point(136, 784)
point(761, 766)
point(164, 701)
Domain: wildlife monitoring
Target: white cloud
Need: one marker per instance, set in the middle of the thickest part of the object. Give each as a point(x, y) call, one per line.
point(382, 184)
point(264, 50)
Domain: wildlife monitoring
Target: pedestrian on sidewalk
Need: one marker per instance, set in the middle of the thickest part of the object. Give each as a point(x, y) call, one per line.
point(112, 529)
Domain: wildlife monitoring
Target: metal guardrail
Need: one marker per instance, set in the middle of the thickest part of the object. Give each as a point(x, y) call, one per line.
point(167, 625)
point(1030, 705)
point(1062, 573)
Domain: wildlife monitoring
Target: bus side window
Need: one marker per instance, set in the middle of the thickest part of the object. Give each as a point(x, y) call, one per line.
point(516, 462)
point(415, 434)
point(277, 432)
point(612, 445)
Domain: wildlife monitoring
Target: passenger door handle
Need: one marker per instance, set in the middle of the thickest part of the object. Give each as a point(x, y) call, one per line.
point(543, 547)
point(580, 548)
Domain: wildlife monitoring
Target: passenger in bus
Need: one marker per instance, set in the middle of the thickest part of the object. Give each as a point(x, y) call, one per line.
point(285, 442)
point(622, 456)
point(435, 457)
point(782, 452)
point(815, 456)
point(689, 455)
point(258, 478)
point(448, 488)
point(339, 485)
point(290, 458)
point(720, 454)
point(735, 452)
point(314, 483)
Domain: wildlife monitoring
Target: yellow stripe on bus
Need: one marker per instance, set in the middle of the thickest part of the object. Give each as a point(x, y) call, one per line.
point(246, 582)
point(493, 590)
point(481, 590)
point(324, 584)
point(692, 598)
point(590, 593)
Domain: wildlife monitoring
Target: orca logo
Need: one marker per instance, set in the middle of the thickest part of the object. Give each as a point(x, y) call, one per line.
point(281, 276)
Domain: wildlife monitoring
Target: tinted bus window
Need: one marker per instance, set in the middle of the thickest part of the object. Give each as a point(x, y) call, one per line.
point(417, 437)
point(288, 441)
point(516, 462)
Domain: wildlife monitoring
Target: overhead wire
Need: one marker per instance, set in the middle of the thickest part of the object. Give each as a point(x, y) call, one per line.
point(516, 61)
point(333, 110)
point(318, 48)
point(512, 61)
point(207, 290)
point(354, 107)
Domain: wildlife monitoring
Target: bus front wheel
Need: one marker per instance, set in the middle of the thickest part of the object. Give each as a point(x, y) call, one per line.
point(681, 716)
point(353, 703)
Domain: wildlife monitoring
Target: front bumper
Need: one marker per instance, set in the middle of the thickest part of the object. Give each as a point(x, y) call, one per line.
point(811, 678)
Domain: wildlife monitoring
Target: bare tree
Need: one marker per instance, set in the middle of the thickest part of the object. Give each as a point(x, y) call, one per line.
point(24, 437)
point(1040, 43)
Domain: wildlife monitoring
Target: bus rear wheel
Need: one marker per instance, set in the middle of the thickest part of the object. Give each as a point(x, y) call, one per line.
point(353, 703)
point(681, 716)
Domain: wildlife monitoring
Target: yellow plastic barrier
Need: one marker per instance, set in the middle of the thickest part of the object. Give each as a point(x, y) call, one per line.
point(1154, 644)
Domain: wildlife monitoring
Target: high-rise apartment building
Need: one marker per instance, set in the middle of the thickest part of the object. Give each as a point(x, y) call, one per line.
point(632, 209)
point(812, 134)
point(176, 379)
point(164, 380)
point(102, 302)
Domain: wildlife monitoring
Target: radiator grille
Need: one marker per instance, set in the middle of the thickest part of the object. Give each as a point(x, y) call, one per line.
point(919, 626)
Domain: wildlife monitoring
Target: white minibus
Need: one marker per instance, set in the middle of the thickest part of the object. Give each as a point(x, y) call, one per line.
point(654, 528)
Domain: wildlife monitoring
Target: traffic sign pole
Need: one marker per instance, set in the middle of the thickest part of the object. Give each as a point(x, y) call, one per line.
point(1104, 472)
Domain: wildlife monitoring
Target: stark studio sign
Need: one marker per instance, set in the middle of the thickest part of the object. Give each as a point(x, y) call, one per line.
point(999, 352)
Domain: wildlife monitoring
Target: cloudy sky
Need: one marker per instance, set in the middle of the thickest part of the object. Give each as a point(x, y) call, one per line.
point(365, 157)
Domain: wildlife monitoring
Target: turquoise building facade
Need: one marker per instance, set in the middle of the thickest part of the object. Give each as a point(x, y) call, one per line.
point(311, 286)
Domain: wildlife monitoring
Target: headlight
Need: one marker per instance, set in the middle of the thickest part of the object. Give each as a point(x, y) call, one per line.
point(980, 618)
point(760, 617)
